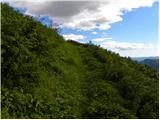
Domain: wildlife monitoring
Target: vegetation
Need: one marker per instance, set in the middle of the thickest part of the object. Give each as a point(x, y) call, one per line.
point(44, 76)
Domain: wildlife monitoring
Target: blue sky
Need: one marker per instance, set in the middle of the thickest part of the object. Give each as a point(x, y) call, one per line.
point(140, 25)
point(127, 27)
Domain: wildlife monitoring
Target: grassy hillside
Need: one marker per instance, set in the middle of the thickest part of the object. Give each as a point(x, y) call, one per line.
point(43, 76)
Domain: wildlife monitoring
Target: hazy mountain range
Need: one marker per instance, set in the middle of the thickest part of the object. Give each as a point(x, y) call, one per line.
point(150, 61)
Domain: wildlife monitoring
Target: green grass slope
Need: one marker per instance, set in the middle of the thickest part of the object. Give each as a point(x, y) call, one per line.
point(44, 76)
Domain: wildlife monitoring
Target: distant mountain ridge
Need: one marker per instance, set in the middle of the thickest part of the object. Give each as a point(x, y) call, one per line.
point(153, 62)
point(143, 58)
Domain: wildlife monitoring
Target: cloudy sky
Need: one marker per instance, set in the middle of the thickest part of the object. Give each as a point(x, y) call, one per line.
point(128, 27)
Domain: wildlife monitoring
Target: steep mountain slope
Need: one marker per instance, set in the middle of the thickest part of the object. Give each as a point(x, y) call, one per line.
point(45, 77)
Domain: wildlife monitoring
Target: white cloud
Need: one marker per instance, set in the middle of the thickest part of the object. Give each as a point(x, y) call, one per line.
point(101, 39)
point(143, 52)
point(125, 45)
point(131, 49)
point(74, 37)
point(104, 33)
point(94, 33)
point(104, 27)
point(84, 15)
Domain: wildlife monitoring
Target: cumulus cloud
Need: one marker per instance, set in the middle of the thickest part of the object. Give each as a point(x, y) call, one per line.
point(114, 45)
point(84, 15)
point(73, 37)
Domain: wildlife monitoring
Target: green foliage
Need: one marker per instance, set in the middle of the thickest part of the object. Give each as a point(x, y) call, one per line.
point(45, 77)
